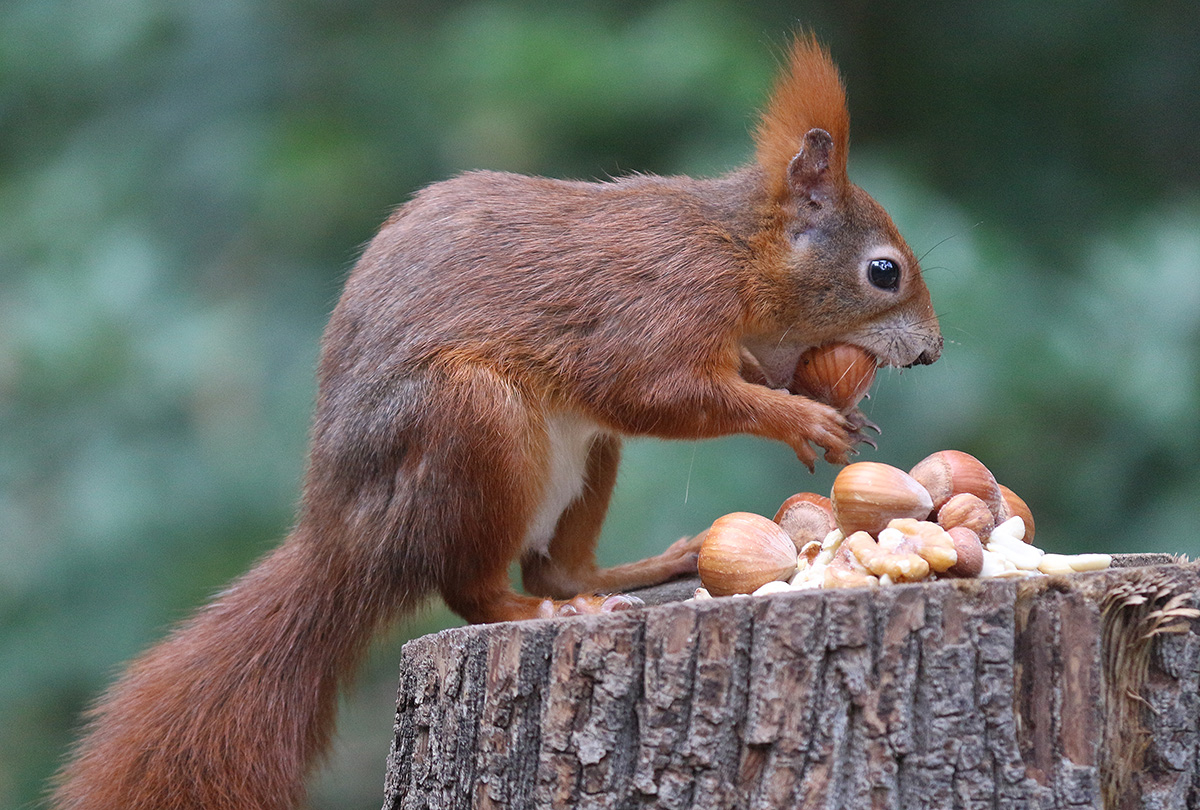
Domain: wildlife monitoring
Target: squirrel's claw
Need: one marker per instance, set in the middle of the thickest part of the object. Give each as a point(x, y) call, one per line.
point(867, 440)
point(859, 421)
point(620, 602)
point(807, 456)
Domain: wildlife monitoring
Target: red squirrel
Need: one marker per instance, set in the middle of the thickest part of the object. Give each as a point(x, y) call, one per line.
point(494, 343)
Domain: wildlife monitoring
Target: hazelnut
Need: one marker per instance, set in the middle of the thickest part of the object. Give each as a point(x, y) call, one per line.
point(742, 552)
point(965, 509)
point(867, 494)
point(806, 517)
point(837, 374)
point(1016, 507)
point(969, 550)
point(950, 472)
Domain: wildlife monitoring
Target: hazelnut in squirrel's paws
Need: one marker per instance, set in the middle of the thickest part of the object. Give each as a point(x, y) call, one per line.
point(839, 375)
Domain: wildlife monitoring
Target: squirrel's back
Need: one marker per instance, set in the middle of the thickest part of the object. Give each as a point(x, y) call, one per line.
point(543, 275)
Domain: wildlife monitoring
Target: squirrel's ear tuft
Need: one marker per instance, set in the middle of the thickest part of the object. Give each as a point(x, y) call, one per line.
point(808, 98)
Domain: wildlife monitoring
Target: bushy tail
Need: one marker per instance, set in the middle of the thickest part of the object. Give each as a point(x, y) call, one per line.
point(234, 708)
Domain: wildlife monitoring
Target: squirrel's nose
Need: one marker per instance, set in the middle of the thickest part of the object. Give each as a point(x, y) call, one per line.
point(929, 355)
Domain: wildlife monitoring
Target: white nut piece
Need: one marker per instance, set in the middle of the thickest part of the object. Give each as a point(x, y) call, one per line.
point(808, 578)
point(829, 547)
point(775, 586)
point(1014, 527)
point(701, 594)
point(1016, 573)
point(833, 540)
point(993, 564)
point(1055, 564)
point(1090, 562)
point(1020, 554)
point(808, 554)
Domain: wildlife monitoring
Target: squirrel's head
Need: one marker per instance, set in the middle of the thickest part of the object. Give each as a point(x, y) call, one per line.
point(848, 273)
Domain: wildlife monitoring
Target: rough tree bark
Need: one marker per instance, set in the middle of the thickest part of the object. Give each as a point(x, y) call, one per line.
point(1048, 692)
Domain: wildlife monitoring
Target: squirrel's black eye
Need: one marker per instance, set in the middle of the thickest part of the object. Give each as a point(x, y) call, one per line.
point(884, 274)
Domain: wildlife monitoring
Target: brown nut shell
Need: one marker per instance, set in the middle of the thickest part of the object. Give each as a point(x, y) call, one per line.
point(807, 517)
point(970, 552)
point(868, 494)
point(950, 472)
point(1016, 507)
point(965, 509)
point(742, 552)
point(838, 374)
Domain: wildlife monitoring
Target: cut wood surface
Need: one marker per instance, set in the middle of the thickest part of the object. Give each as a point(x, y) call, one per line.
point(1044, 692)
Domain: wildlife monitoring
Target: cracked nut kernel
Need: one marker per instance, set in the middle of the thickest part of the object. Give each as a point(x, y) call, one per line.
point(895, 560)
point(846, 570)
point(925, 539)
point(837, 577)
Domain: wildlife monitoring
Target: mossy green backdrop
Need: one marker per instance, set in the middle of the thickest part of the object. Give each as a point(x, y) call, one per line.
point(183, 187)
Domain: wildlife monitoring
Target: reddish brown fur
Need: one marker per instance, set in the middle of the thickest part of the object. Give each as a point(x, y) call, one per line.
point(808, 93)
point(495, 341)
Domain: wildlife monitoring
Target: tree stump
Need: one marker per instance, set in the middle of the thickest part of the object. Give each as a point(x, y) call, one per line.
point(1045, 692)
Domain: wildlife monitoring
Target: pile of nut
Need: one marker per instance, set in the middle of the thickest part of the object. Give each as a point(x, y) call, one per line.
point(947, 517)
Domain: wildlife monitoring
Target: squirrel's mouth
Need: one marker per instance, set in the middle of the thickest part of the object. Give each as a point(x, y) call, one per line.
point(780, 366)
point(900, 341)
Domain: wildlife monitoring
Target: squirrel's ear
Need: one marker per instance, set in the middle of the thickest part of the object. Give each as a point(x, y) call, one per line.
point(809, 175)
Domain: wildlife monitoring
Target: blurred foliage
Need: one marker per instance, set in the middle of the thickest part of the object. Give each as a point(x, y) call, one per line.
point(184, 185)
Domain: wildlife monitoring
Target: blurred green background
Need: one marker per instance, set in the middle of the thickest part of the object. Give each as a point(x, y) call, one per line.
point(183, 187)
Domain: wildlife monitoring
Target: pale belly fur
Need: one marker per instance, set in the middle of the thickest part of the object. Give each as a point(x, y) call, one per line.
point(570, 437)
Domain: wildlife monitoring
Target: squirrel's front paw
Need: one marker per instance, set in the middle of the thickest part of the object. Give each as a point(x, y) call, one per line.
point(835, 433)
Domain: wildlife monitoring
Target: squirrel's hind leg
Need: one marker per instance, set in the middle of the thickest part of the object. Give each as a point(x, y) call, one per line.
point(569, 566)
point(483, 498)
